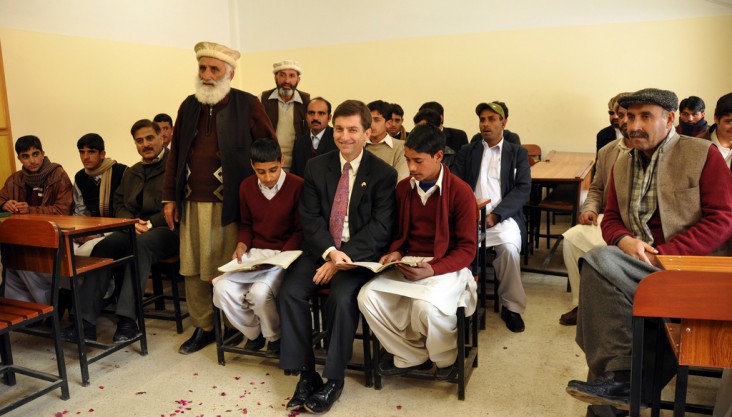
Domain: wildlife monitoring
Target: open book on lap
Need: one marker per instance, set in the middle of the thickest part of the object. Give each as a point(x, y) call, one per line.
point(412, 261)
point(282, 259)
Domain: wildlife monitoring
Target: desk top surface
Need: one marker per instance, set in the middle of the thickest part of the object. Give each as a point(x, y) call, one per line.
point(72, 225)
point(567, 166)
point(696, 263)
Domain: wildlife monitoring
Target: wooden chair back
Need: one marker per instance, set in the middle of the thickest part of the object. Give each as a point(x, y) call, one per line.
point(534, 153)
point(39, 239)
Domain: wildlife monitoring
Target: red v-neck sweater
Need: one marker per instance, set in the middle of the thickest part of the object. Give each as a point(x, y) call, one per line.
point(271, 224)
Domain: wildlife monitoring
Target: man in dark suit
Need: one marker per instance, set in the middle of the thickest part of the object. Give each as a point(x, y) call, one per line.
point(508, 136)
point(499, 170)
point(454, 138)
point(347, 211)
point(318, 140)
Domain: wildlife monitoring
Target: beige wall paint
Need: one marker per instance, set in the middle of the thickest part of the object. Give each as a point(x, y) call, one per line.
point(556, 82)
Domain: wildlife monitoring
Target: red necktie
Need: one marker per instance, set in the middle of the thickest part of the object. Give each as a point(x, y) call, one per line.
point(340, 205)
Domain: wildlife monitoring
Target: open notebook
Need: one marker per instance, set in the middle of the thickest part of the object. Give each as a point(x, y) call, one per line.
point(283, 259)
point(377, 267)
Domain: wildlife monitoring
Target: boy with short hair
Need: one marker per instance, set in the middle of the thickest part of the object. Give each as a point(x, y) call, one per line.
point(40, 187)
point(412, 309)
point(270, 223)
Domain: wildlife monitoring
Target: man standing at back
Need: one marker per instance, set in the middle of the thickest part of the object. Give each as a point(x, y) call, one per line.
point(209, 158)
point(286, 106)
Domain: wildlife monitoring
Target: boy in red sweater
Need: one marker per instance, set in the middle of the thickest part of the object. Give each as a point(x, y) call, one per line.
point(436, 220)
point(270, 223)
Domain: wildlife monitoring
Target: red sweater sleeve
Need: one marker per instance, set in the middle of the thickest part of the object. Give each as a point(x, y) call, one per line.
point(463, 230)
point(295, 240)
point(713, 229)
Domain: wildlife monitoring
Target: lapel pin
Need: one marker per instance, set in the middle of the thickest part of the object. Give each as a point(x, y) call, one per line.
point(363, 184)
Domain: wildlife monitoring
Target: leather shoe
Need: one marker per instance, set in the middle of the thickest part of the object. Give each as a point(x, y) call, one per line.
point(70, 333)
point(126, 330)
point(323, 399)
point(273, 349)
point(304, 389)
point(388, 368)
point(232, 337)
point(199, 340)
point(602, 391)
point(447, 374)
point(255, 345)
point(569, 318)
point(514, 322)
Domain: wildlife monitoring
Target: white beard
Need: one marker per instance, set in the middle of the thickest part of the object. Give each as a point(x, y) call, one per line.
point(285, 92)
point(211, 95)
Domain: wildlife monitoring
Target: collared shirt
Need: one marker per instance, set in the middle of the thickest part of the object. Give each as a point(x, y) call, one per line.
point(156, 159)
point(489, 178)
point(285, 104)
point(315, 139)
point(351, 180)
point(269, 193)
point(618, 133)
point(726, 152)
point(425, 195)
point(388, 140)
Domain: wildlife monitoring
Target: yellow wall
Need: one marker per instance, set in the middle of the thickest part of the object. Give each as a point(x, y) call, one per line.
point(556, 82)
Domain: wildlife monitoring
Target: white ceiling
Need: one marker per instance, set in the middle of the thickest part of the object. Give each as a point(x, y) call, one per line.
point(283, 24)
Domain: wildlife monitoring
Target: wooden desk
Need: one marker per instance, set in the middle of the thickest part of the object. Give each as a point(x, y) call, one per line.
point(697, 290)
point(696, 263)
point(558, 168)
point(74, 266)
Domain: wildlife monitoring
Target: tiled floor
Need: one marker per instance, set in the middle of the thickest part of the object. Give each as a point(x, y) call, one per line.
point(519, 375)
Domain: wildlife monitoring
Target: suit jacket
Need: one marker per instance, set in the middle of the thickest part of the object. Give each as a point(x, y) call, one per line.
point(300, 111)
point(605, 136)
point(301, 150)
point(515, 178)
point(455, 138)
point(508, 136)
point(372, 207)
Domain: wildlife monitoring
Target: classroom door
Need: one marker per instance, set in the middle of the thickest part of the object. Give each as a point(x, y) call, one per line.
point(7, 154)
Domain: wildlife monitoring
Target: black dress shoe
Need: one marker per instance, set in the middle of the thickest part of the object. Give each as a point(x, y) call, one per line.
point(199, 340)
point(388, 368)
point(447, 374)
point(126, 330)
point(569, 318)
point(256, 344)
point(323, 399)
point(514, 322)
point(602, 391)
point(70, 333)
point(273, 349)
point(304, 389)
point(232, 337)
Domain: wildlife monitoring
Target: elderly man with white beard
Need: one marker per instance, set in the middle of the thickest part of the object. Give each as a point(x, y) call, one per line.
point(209, 158)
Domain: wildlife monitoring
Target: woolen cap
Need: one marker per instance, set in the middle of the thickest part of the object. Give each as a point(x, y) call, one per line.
point(286, 64)
point(664, 98)
point(218, 51)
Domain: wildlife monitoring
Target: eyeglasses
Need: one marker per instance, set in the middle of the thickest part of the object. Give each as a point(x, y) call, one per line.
point(611, 113)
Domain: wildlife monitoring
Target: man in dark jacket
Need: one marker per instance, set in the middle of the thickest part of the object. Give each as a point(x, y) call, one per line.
point(137, 197)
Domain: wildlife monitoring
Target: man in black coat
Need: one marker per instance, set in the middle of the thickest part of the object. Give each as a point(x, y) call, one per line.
point(340, 226)
point(318, 140)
